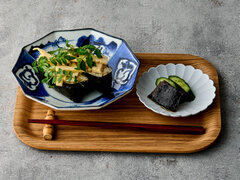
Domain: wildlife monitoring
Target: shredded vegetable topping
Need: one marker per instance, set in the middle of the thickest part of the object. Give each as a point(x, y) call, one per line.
point(68, 65)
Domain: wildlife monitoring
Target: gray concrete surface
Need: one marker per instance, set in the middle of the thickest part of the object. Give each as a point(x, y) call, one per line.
point(207, 28)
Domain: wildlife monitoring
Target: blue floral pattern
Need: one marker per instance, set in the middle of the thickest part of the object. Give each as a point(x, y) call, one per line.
point(123, 62)
point(27, 75)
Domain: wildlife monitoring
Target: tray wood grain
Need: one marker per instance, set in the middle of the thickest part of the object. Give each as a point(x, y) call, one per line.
point(127, 110)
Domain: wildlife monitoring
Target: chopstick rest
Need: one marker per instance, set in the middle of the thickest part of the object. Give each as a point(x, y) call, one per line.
point(48, 129)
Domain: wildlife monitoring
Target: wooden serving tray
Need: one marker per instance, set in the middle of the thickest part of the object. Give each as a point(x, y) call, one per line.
point(127, 110)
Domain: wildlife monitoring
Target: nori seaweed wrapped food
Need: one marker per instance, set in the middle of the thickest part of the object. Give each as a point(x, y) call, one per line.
point(74, 71)
point(75, 92)
point(167, 96)
point(171, 92)
point(102, 83)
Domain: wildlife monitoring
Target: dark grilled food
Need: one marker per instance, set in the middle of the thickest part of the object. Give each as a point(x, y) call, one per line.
point(167, 96)
point(171, 92)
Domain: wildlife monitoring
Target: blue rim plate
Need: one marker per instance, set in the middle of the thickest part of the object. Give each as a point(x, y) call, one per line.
point(122, 60)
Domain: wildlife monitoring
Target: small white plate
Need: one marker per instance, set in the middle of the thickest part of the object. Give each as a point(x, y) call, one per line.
point(202, 87)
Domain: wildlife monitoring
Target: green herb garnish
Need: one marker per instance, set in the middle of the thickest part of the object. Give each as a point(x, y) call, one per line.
point(75, 79)
point(59, 79)
point(98, 53)
point(68, 57)
point(52, 52)
point(65, 72)
point(70, 76)
point(63, 56)
point(83, 66)
point(89, 60)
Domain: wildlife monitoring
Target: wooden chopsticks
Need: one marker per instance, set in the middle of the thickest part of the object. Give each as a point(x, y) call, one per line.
point(176, 129)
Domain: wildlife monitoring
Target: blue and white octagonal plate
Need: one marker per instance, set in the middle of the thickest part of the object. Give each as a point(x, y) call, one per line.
point(123, 62)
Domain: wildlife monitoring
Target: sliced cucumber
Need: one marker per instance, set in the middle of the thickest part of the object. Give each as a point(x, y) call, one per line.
point(182, 84)
point(165, 79)
point(179, 81)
